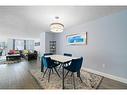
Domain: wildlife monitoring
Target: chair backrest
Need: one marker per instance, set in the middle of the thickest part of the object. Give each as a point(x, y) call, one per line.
point(1, 53)
point(76, 64)
point(48, 54)
point(67, 54)
point(46, 61)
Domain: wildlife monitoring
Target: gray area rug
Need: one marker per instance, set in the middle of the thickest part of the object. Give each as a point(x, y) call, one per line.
point(90, 80)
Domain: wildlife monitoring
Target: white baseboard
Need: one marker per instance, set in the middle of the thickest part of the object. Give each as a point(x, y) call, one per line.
point(120, 79)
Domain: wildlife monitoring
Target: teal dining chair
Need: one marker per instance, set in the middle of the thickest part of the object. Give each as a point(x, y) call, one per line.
point(74, 67)
point(49, 65)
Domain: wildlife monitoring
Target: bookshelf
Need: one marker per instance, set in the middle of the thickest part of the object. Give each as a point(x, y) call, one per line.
point(52, 46)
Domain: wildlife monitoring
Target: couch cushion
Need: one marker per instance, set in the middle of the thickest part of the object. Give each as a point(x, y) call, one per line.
point(25, 51)
point(17, 52)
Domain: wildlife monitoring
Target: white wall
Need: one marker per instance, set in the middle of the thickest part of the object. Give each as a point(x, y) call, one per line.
point(45, 37)
point(49, 37)
point(9, 44)
point(42, 43)
point(3, 39)
point(37, 48)
point(107, 43)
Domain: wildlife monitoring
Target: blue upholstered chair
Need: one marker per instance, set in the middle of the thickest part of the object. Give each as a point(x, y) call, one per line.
point(42, 65)
point(49, 65)
point(74, 67)
point(48, 54)
point(67, 54)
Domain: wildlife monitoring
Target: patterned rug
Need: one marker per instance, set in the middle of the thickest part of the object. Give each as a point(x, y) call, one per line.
point(90, 80)
point(4, 61)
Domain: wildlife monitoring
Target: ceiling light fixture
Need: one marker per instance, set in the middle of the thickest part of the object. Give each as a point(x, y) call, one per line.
point(56, 26)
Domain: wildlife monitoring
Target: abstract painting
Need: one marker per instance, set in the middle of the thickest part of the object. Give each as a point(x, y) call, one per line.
point(77, 39)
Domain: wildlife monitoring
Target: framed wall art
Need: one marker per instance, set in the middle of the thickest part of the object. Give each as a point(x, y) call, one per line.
point(77, 39)
point(37, 43)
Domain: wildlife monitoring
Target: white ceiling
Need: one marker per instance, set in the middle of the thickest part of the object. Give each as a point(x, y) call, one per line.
point(30, 21)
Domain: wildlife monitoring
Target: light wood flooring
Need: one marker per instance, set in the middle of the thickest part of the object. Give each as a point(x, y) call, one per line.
point(17, 76)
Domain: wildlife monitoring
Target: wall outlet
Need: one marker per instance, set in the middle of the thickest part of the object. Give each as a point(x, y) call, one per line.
point(103, 65)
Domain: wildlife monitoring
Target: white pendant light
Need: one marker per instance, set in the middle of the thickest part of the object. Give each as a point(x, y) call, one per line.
point(56, 26)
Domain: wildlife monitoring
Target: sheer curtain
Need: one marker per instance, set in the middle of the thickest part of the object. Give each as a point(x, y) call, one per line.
point(30, 44)
point(2, 45)
point(19, 44)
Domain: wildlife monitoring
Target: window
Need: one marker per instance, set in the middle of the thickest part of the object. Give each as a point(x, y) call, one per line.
point(19, 44)
point(30, 44)
point(2, 45)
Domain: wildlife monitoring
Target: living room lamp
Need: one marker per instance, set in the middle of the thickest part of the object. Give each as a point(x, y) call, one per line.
point(56, 26)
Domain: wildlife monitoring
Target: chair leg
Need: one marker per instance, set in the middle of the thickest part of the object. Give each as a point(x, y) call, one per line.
point(73, 80)
point(49, 74)
point(78, 75)
point(71, 74)
point(57, 72)
point(66, 74)
point(52, 71)
point(80, 79)
point(45, 72)
point(60, 67)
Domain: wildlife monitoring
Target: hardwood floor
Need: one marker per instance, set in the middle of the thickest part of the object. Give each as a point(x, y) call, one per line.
point(111, 84)
point(17, 76)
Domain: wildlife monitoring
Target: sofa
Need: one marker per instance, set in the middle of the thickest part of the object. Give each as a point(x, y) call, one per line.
point(32, 56)
point(29, 55)
point(13, 52)
point(26, 54)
